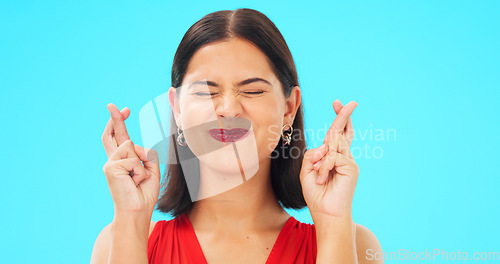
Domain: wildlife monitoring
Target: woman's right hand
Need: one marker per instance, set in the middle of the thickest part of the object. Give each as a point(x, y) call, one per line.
point(134, 186)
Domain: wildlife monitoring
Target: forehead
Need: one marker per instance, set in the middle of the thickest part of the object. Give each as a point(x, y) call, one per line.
point(229, 60)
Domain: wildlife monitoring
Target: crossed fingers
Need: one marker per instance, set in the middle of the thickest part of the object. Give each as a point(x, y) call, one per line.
point(338, 139)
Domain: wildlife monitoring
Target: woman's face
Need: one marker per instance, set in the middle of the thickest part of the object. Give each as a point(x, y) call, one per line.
point(229, 87)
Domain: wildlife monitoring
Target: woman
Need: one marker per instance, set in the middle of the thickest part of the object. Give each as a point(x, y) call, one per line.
point(240, 158)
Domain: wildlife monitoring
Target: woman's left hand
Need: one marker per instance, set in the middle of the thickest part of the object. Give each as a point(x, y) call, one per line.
point(329, 172)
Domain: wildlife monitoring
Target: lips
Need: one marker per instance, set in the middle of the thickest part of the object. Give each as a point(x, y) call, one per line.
point(228, 135)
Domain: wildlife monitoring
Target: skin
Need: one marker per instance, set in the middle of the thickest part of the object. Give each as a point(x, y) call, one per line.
point(258, 106)
point(238, 217)
point(233, 225)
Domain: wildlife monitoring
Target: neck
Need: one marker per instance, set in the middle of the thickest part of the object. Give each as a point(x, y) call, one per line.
point(250, 205)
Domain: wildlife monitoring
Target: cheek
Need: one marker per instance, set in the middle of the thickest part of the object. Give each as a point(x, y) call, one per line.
point(267, 124)
point(188, 119)
point(269, 136)
point(196, 113)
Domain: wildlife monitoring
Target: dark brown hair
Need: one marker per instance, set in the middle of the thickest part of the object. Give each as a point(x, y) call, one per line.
point(258, 29)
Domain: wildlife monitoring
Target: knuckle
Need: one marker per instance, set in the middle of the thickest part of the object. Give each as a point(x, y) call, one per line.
point(104, 134)
point(104, 139)
point(106, 167)
point(308, 153)
point(128, 143)
point(136, 161)
point(151, 152)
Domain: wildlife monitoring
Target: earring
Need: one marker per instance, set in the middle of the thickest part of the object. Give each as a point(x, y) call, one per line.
point(287, 138)
point(180, 138)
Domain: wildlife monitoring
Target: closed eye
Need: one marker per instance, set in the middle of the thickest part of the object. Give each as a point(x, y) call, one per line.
point(205, 94)
point(212, 94)
point(259, 92)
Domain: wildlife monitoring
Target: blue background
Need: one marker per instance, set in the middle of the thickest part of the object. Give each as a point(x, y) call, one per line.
point(426, 70)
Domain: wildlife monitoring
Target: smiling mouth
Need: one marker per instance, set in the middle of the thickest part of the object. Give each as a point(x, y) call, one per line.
point(229, 135)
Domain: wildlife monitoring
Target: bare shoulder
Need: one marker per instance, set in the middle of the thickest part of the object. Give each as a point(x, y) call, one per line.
point(102, 244)
point(368, 247)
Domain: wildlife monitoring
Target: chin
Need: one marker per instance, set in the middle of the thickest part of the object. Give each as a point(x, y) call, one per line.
point(224, 162)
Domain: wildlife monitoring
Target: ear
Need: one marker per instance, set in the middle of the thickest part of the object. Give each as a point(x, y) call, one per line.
point(174, 104)
point(292, 105)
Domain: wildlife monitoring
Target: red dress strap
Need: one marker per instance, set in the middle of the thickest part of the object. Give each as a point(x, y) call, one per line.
point(295, 244)
point(174, 241)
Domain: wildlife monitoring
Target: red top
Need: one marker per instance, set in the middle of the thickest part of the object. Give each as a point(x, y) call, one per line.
point(174, 241)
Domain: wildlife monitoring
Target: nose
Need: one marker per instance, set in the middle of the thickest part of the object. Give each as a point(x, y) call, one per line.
point(228, 106)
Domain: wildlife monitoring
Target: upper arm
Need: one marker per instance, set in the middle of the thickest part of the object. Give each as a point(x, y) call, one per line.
point(368, 247)
point(100, 252)
point(102, 244)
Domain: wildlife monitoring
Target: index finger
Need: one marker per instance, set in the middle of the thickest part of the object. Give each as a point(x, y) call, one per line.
point(340, 121)
point(120, 130)
point(108, 137)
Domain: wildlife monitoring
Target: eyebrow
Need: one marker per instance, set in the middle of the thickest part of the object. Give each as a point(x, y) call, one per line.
point(244, 82)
